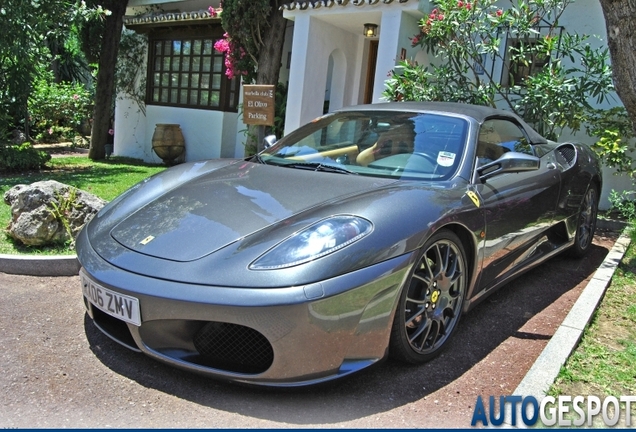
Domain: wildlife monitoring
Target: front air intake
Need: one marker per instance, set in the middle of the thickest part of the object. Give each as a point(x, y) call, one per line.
point(233, 347)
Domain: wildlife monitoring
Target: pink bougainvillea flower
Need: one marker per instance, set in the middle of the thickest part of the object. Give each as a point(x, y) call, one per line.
point(222, 45)
point(212, 11)
point(232, 55)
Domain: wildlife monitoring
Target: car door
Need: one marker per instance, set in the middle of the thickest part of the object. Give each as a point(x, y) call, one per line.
point(518, 207)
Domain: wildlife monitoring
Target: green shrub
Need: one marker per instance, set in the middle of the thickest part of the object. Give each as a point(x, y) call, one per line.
point(615, 145)
point(58, 109)
point(56, 134)
point(22, 158)
point(624, 204)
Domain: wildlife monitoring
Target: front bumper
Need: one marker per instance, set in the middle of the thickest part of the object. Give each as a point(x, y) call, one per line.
point(289, 336)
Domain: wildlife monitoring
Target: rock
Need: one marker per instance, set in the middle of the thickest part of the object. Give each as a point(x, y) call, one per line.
point(40, 211)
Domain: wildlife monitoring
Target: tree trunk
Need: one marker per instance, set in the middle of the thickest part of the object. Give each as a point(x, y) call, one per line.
point(102, 112)
point(621, 39)
point(270, 54)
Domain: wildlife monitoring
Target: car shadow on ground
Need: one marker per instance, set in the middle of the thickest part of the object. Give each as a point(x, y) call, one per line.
point(384, 387)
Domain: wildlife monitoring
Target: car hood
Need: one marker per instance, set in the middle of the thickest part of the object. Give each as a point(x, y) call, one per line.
point(211, 211)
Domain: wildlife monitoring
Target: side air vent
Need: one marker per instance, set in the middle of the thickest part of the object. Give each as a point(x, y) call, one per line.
point(566, 154)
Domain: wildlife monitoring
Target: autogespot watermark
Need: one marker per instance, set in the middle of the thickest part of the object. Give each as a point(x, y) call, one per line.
point(566, 411)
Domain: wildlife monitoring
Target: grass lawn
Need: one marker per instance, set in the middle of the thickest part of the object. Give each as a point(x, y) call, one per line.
point(604, 363)
point(106, 179)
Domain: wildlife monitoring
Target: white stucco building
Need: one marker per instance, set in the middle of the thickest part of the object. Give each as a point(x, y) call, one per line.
point(327, 63)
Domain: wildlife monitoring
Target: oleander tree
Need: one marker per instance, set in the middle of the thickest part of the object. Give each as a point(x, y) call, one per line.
point(519, 58)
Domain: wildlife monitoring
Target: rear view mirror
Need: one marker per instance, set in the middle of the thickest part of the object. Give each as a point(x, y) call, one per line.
point(511, 162)
point(269, 141)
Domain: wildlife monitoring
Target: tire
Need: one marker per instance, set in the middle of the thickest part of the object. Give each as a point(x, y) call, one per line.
point(586, 223)
point(430, 303)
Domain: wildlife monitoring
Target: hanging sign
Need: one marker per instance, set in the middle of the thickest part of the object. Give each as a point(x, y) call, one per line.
point(258, 104)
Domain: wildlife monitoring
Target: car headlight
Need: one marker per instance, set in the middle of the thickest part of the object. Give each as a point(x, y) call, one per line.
point(315, 241)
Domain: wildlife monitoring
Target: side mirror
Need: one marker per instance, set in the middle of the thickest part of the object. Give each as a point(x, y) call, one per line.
point(269, 141)
point(511, 162)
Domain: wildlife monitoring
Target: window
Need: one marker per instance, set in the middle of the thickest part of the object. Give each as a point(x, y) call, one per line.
point(498, 136)
point(531, 62)
point(527, 61)
point(185, 70)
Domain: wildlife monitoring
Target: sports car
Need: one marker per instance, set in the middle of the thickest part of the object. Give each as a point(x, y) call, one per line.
point(364, 234)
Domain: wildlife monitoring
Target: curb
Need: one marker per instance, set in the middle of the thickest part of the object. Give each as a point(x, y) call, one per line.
point(545, 369)
point(39, 265)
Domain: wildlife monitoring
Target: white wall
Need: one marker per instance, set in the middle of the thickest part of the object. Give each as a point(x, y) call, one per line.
point(314, 41)
point(208, 134)
point(130, 131)
point(285, 60)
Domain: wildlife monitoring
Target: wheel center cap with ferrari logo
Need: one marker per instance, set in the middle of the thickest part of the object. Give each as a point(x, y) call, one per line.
point(435, 296)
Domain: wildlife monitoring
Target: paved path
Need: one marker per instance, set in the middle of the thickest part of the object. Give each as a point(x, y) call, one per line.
point(59, 371)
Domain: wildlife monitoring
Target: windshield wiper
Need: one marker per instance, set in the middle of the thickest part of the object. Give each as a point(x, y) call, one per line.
point(257, 158)
point(319, 166)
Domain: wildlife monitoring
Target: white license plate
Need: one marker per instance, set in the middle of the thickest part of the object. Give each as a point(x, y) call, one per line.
point(121, 306)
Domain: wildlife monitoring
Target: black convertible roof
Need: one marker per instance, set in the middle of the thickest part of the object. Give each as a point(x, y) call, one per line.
point(478, 112)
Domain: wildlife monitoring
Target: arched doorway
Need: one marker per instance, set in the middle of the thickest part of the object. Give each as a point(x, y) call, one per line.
point(335, 83)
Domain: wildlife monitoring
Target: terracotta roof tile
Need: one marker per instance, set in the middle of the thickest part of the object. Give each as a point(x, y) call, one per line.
point(316, 4)
point(166, 17)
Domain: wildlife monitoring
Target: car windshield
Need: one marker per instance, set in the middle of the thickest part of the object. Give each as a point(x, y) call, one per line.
point(402, 145)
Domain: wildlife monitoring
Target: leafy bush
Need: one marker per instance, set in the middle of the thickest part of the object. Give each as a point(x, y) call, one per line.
point(615, 134)
point(624, 204)
point(58, 109)
point(22, 158)
point(56, 134)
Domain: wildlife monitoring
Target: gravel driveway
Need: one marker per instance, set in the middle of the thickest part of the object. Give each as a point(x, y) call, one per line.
point(60, 371)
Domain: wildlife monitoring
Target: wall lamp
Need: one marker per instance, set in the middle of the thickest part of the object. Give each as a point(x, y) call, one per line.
point(370, 30)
